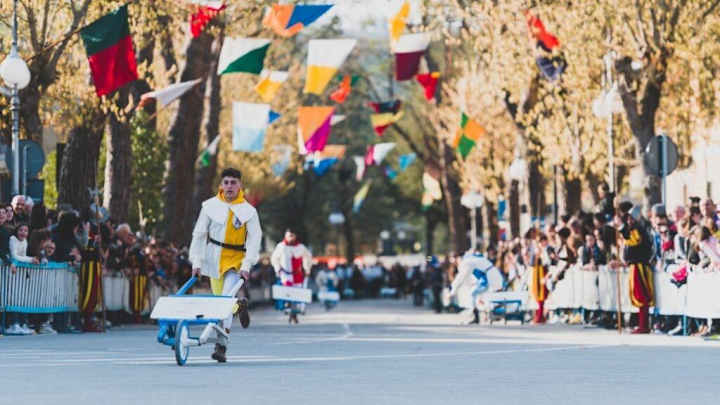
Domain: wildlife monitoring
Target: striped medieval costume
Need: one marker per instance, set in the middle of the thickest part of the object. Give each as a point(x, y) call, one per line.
point(90, 287)
point(642, 293)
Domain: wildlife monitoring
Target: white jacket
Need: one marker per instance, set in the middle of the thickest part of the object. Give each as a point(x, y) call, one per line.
point(282, 255)
point(18, 250)
point(465, 281)
point(212, 223)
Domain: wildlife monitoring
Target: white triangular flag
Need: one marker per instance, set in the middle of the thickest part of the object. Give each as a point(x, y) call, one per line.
point(169, 94)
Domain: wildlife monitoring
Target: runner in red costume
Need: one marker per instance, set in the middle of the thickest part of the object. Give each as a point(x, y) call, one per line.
point(291, 261)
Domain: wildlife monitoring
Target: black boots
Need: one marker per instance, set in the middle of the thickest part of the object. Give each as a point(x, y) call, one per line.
point(219, 353)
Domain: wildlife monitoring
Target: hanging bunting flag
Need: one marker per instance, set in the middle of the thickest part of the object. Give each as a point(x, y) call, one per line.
point(249, 124)
point(429, 82)
point(288, 19)
point(390, 173)
point(168, 94)
point(243, 55)
point(467, 136)
point(397, 22)
point(281, 158)
point(324, 58)
point(336, 119)
point(388, 113)
point(109, 48)
point(273, 116)
point(376, 153)
point(551, 68)
point(209, 152)
point(409, 50)
point(545, 40)
point(270, 82)
point(343, 91)
point(360, 196)
point(432, 186)
point(406, 160)
point(313, 128)
point(206, 11)
point(325, 159)
point(360, 165)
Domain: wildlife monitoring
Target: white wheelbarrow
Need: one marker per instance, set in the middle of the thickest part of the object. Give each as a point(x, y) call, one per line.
point(176, 313)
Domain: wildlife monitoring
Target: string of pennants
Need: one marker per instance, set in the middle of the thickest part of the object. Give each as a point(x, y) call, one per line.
point(109, 47)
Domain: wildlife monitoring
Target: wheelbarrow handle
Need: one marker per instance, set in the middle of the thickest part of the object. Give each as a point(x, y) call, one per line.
point(187, 285)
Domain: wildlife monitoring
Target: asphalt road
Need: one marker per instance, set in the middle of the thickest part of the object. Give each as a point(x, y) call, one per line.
point(365, 352)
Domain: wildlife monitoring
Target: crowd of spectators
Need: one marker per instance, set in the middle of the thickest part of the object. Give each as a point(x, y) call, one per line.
point(31, 234)
point(686, 238)
point(680, 241)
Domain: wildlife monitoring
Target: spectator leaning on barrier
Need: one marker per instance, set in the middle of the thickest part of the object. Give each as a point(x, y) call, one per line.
point(18, 252)
point(67, 250)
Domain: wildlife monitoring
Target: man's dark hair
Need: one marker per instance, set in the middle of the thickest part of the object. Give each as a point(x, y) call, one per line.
point(231, 172)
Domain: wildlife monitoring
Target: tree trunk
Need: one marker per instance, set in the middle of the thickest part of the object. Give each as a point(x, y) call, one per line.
point(514, 202)
point(80, 162)
point(183, 139)
point(536, 185)
point(118, 163)
point(640, 110)
point(573, 194)
point(204, 176)
point(457, 217)
point(491, 224)
point(30, 112)
point(430, 224)
point(349, 237)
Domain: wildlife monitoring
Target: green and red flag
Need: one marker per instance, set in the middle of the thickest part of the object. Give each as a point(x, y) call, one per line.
point(467, 136)
point(110, 51)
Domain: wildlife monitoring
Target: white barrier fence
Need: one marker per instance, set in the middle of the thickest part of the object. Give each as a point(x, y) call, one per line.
point(54, 287)
point(48, 288)
point(597, 290)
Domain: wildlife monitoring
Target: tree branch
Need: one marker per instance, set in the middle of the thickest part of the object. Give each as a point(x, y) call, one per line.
point(710, 9)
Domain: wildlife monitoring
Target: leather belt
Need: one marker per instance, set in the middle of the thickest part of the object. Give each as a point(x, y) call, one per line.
point(239, 248)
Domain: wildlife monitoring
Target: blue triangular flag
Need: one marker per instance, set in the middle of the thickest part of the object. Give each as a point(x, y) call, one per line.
point(307, 14)
point(273, 116)
point(321, 167)
point(406, 160)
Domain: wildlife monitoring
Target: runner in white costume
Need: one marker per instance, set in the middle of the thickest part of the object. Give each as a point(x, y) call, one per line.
point(476, 276)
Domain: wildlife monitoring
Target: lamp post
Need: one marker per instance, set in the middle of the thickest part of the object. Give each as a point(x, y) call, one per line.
point(517, 173)
point(16, 75)
point(472, 201)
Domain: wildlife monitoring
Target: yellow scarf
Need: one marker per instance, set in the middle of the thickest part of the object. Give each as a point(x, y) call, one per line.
point(230, 259)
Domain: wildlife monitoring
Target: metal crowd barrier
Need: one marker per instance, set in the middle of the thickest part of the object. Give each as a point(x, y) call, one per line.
point(39, 288)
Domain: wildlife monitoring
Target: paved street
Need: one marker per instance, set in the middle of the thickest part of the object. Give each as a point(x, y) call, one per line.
point(365, 352)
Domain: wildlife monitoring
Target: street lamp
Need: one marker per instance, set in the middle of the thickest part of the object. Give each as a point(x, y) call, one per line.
point(472, 201)
point(15, 73)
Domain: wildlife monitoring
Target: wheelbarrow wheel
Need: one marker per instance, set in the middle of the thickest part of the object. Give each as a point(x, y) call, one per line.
point(182, 350)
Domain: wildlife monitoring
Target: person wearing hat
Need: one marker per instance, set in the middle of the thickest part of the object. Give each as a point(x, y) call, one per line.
point(292, 261)
point(225, 245)
point(637, 254)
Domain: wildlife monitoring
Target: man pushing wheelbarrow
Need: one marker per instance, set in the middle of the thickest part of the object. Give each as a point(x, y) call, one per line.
point(225, 245)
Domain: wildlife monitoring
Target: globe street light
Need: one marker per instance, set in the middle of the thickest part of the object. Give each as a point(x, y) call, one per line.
point(15, 73)
point(472, 201)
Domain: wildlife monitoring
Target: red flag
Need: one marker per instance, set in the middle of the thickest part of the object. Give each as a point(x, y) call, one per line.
point(429, 82)
point(546, 40)
point(203, 15)
point(343, 91)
